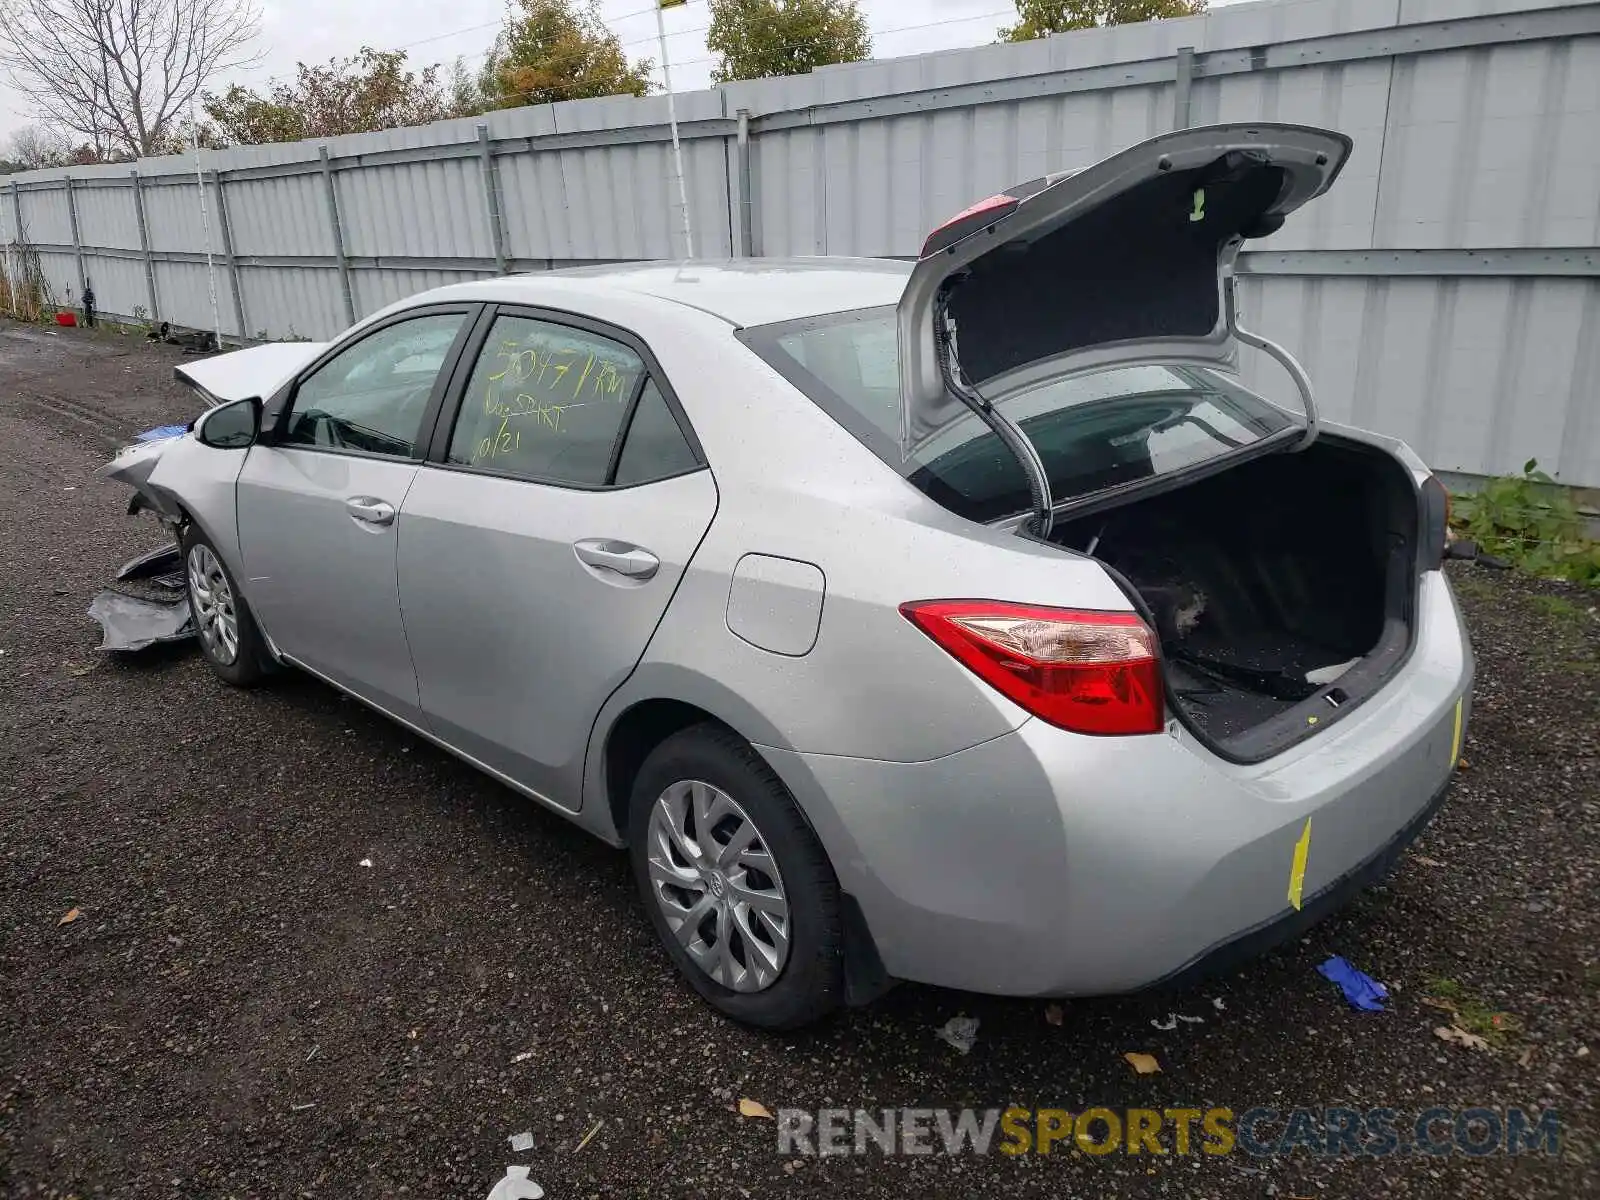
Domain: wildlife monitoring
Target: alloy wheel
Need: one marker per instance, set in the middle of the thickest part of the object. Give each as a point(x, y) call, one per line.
point(213, 605)
point(716, 883)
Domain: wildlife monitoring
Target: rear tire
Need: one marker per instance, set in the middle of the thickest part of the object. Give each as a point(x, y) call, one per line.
point(758, 937)
point(229, 640)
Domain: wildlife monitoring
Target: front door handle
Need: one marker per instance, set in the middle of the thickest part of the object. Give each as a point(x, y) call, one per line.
point(622, 557)
point(370, 510)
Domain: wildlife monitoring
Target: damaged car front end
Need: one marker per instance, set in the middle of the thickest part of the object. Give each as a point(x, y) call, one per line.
point(170, 461)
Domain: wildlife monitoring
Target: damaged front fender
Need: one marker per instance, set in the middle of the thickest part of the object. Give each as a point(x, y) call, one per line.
point(183, 481)
point(133, 465)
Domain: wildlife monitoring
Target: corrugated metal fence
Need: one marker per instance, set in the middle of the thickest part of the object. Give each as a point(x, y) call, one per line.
point(1446, 291)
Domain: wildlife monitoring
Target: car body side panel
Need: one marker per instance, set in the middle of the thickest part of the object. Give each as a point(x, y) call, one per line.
point(517, 643)
point(199, 481)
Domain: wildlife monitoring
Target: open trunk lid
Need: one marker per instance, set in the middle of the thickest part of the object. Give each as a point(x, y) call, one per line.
point(1127, 261)
point(257, 371)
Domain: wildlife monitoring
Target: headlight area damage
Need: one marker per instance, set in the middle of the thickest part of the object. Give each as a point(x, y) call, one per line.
point(147, 604)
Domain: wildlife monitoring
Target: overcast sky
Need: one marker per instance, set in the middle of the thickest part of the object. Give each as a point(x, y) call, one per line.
point(315, 30)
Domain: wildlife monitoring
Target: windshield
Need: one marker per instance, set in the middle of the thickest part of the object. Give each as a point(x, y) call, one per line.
point(1094, 431)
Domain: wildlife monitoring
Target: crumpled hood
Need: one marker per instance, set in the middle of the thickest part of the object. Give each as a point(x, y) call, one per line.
point(257, 371)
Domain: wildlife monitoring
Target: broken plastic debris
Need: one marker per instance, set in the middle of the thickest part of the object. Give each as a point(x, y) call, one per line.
point(366, 862)
point(162, 566)
point(1174, 1018)
point(1218, 1004)
point(521, 1141)
point(516, 1186)
point(960, 1033)
point(754, 1108)
point(1143, 1064)
point(1328, 674)
point(1361, 990)
point(131, 623)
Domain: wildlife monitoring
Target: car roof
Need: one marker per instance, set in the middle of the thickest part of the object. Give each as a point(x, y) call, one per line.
point(749, 291)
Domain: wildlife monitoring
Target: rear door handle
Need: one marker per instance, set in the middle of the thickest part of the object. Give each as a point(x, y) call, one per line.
point(370, 510)
point(622, 557)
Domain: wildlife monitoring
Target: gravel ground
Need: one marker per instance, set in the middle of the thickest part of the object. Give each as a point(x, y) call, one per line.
point(243, 1009)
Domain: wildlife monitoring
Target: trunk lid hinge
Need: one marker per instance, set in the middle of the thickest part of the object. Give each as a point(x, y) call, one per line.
point(1267, 346)
point(1007, 430)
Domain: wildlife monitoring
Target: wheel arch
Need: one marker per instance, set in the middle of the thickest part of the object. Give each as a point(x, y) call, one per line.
point(619, 747)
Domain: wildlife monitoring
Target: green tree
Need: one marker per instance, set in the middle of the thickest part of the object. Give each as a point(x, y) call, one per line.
point(550, 50)
point(1040, 18)
point(370, 91)
point(760, 38)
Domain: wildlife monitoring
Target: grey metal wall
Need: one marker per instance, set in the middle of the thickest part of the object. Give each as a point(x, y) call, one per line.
point(1447, 290)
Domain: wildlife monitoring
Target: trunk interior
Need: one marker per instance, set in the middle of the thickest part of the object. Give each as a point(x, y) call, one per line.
point(1281, 588)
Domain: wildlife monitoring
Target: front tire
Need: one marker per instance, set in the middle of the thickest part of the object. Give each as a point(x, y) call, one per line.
point(737, 886)
point(228, 636)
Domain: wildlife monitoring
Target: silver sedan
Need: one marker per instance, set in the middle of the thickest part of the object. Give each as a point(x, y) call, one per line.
point(963, 621)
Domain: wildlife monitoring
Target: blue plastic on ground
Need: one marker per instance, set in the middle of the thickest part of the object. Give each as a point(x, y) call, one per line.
point(1363, 991)
point(161, 433)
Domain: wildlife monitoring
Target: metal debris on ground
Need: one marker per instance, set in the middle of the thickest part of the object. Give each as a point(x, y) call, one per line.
point(959, 1033)
point(133, 623)
point(521, 1141)
point(1361, 990)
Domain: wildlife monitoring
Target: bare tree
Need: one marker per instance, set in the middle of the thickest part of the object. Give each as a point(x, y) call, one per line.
point(32, 147)
point(121, 73)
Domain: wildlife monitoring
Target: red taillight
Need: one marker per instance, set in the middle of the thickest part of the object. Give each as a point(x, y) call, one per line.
point(1090, 672)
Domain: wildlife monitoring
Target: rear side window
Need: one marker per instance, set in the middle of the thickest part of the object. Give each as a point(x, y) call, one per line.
point(1094, 431)
point(655, 447)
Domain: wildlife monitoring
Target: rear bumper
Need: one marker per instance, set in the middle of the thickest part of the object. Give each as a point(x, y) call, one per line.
point(1252, 943)
point(1048, 863)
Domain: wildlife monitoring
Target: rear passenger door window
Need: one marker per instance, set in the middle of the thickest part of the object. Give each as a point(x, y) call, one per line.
point(546, 403)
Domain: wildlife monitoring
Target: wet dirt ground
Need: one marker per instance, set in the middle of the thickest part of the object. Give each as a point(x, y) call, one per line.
point(241, 1008)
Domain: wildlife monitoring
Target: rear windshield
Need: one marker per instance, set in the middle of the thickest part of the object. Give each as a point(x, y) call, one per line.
point(1095, 431)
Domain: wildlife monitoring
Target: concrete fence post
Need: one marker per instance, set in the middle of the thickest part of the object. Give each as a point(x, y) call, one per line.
point(228, 257)
point(338, 236)
point(144, 249)
point(491, 196)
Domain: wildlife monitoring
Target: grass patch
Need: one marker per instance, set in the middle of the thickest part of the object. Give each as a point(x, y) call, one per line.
point(1533, 522)
point(1470, 1013)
